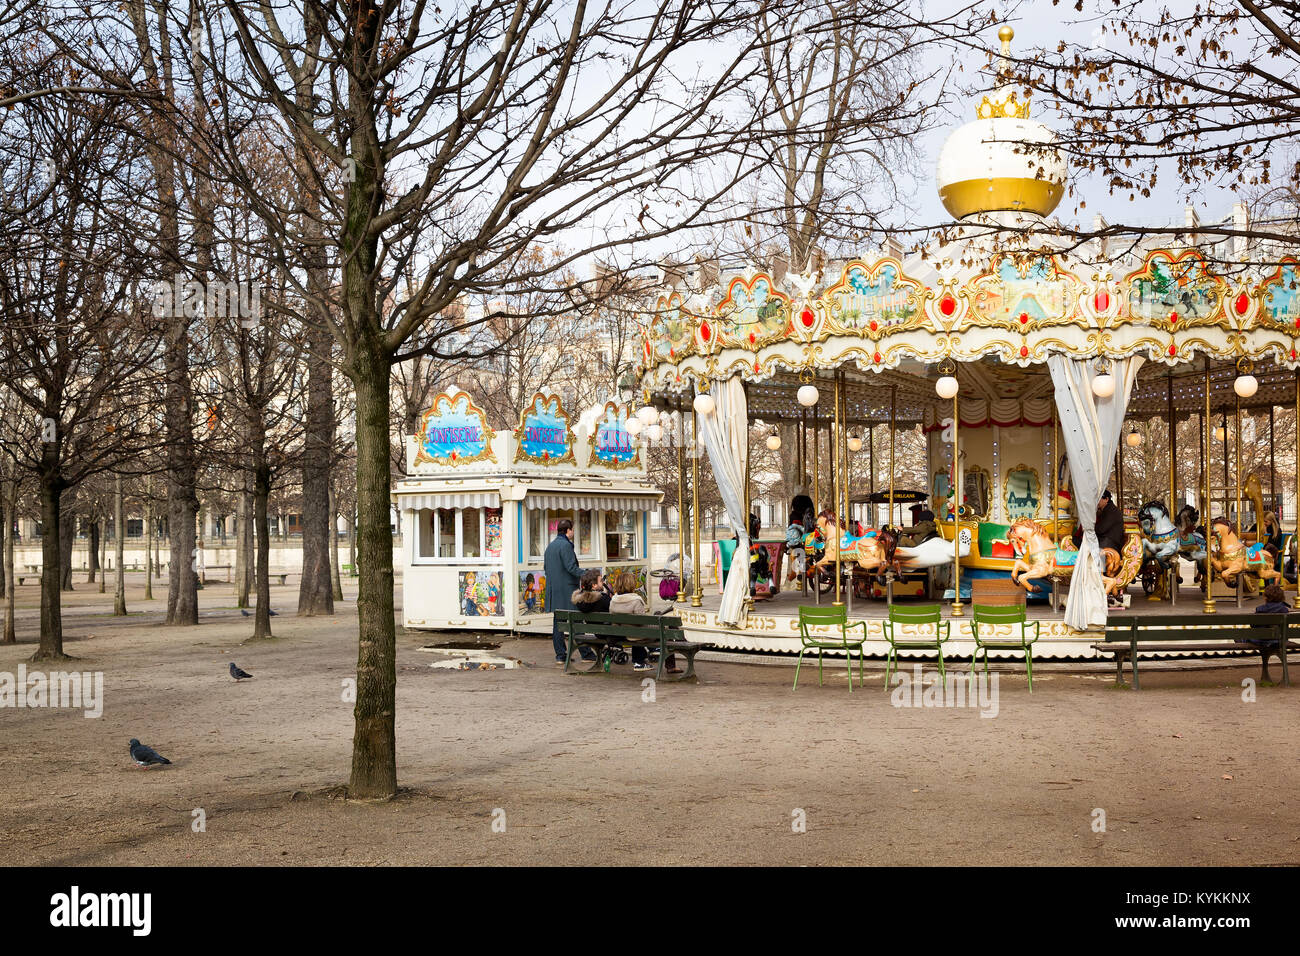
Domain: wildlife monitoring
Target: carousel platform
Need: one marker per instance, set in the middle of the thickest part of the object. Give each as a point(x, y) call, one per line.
point(773, 624)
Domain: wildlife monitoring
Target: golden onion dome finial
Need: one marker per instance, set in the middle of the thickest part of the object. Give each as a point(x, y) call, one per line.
point(1006, 34)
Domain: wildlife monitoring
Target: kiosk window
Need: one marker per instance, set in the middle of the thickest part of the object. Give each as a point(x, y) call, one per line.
point(620, 535)
point(471, 534)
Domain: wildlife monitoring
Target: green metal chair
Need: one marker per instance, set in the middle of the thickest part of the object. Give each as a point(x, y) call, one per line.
point(991, 617)
point(834, 617)
point(918, 616)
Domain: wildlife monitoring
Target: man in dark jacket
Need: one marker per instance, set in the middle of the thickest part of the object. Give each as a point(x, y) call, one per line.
point(560, 565)
point(1110, 525)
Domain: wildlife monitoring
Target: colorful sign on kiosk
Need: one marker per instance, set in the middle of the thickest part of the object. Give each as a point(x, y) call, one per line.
point(543, 434)
point(611, 443)
point(455, 430)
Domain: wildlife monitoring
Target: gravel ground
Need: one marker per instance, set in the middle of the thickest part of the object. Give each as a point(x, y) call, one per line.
point(588, 770)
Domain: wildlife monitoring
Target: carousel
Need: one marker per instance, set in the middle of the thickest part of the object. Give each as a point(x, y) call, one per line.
point(1029, 363)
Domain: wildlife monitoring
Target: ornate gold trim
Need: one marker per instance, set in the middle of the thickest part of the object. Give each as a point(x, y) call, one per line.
point(875, 328)
point(1186, 268)
point(745, 335)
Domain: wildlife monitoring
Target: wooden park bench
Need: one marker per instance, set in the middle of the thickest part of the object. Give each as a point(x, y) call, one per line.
point(604, 633)
point(203, 577)
point(1128, 635)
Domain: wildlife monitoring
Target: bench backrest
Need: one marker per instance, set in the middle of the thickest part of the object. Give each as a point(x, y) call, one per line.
point(823, 615)
point(648, 626)
point(1194, 627)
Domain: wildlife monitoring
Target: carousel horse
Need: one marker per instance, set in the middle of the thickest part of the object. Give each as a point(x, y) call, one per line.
point(932, 553)
point(1039, 556)
point(1130, 562)
point(1159, 547)
point(1231, 557)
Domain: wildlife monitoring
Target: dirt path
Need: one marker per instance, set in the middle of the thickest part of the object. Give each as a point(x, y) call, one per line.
point(584, 770)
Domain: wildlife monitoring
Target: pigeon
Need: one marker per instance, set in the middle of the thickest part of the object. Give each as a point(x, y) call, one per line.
point(238, 673)
point(270, 613)
point(144, 756)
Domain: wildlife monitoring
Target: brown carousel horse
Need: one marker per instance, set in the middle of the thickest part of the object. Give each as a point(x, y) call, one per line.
point(1232, 557)
point(1039, 557)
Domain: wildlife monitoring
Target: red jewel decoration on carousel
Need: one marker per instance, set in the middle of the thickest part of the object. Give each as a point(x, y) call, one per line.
point(1101, 301)
point(1024, 318)
point(948, 305)
point(1173, 349)
point(1024, 351)
point(751, 338)
point(453, 455)
point(1173, 318)
point(705, 331)
point(1297, 322)
point(1293, 355)
point(874, 325)
point(1243, 303)
point(876, 358)
point(807, 318)
point(755, 366)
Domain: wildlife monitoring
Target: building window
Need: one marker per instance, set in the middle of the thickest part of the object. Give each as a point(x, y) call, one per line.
point(451, 533)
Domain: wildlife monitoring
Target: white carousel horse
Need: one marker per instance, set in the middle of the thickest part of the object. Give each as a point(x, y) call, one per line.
point(933, 553)
point(1160, 542)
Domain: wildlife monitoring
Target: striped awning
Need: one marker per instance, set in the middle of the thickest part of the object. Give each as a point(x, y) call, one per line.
point(589, 500)
point(449, 499)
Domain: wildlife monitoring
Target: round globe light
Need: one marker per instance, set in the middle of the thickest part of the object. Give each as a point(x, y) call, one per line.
point(704, 404)
point(855, 443)
point(808, 395)
point(773, 442)
point(947, 387)
point(634, 426)
point(1103, 386)
point(654, 432)
point(1245, 385)
point(1133, 439)
point(1219, 433)
point(648, 414)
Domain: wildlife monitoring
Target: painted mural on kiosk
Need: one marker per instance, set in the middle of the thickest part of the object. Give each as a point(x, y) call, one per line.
point(543, 435)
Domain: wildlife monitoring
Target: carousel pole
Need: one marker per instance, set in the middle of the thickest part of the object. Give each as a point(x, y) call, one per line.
point(835, 492)
point(749, 597)
point(1174, 570)
point(681, 504)
point(871, 465)
point(817, 495)
point(957, 609)
point(1119, 475)
point(1295, 538)
point(893, 423)
point(1056, 491)
point(844, 473)
point(697, 570)
point(1240, 535)
point(1208, 604)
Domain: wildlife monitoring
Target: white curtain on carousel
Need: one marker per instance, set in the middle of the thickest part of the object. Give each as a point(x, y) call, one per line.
point(726, 433)
point(1090, 431)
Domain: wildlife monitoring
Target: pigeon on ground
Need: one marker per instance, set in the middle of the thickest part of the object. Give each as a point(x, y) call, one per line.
point(271, 613)
point(144, 756)
point(238, 673)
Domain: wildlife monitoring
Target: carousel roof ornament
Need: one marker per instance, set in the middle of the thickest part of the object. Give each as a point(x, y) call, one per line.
point(1002, 160)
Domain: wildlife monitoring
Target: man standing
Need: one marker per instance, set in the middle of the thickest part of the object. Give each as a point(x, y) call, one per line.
point(560, 564)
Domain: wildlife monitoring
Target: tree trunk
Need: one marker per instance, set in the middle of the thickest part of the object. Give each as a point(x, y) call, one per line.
point(149, 565)
point(102, 558)
point(119, 540)
point(374, 743)
point(182, 502)
point(67, 537)
point(261, 492)
point(10, 514)
point(241, 559)
point(51, 648)
point(352, 540)
point(315, 592)
point(246, 546)
point(92, 551)
point(334, 550)
point(7, 582)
